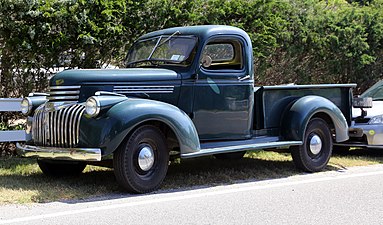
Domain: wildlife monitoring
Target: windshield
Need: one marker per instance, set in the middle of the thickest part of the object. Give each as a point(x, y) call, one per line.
point(168, 49)
point(375, 92)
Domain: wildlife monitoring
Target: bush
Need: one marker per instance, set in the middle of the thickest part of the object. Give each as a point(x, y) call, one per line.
point(299, 41)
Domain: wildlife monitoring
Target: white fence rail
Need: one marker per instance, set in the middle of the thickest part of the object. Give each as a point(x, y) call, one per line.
point(11, 105)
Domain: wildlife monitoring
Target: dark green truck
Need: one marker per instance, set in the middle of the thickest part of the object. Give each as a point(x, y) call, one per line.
point(187, 92)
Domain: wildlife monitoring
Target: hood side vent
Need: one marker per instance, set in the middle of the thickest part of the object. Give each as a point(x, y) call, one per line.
point(143, 89)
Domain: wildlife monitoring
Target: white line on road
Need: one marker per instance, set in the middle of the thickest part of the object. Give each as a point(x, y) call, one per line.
point(190, 196)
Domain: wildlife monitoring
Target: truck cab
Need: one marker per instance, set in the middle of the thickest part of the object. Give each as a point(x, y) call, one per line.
point(185, 91)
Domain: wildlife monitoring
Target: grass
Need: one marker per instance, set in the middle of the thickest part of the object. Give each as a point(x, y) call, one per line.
point(21, 181)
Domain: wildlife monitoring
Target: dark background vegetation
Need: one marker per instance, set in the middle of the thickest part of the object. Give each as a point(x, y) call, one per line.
point(294, 41)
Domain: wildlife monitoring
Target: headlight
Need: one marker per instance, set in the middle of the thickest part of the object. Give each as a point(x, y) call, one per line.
point(376, 120)
point(26, 106)
point(92, 107)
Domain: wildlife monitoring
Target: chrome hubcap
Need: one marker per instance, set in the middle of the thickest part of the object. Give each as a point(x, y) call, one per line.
point(146, 158)
point(315, 144)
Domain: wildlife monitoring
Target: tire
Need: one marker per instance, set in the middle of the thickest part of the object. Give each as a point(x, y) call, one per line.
point(56, 168)
point(316, 157)
point(142, 176)
point(230, 156)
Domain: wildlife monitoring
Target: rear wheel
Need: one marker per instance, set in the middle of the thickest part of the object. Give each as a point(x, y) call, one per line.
point(316, 150)
point(56, 168)
point(141, 164)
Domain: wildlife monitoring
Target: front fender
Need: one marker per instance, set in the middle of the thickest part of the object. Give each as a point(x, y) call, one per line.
point(110, 129)
point(296, 119)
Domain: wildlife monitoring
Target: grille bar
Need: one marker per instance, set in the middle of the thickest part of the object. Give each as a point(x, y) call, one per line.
point(59, 128)
point(63, 93)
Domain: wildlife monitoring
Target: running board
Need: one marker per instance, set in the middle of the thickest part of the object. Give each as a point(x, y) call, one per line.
point(239, 148)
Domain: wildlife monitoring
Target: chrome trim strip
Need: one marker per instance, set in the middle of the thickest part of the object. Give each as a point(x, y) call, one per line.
point(58, 128)
point(62, 130)
point(143, 89)
point(353, 144)
point(40, 125)
point(64, 92)
point(76, 112)
point(79, 154)
point(53, 121)
point(38, 131)
point(67, 114)
point(238, 148)
point(63, 87)
point(78, 119)
point(168, 86)
point(70, 113)
point(55, 131)
point(74, 97)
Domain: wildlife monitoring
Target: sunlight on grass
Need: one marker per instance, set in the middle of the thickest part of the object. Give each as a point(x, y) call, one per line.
point(13, 196)
point(21, 180)
point(269, 156)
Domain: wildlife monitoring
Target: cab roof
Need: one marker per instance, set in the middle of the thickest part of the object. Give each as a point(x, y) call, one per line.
point(203, 32)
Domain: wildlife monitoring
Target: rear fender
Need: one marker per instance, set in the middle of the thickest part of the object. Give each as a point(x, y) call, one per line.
point(296, 119)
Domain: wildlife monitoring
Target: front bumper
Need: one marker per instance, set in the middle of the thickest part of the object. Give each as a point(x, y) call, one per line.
point(364, 135)
point(75, 154)
point(373, 133)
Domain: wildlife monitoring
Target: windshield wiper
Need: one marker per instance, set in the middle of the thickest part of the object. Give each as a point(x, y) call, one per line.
point(158, 44)
point(168, 38)
point(140, 61)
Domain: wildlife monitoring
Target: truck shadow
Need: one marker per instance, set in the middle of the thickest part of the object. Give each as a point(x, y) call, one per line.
point(361, 152)
point(95, 184)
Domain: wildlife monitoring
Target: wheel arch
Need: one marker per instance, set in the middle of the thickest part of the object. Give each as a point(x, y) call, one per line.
point(304, 109)
point(164, 127)
point(129, 115)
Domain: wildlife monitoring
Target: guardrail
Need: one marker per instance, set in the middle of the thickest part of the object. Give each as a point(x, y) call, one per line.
point(11, 105)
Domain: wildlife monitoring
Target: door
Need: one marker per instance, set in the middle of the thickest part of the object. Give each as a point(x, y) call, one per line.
point(223, 96)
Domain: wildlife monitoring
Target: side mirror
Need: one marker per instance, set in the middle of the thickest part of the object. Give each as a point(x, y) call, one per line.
point(206, 61)
point(358, 102)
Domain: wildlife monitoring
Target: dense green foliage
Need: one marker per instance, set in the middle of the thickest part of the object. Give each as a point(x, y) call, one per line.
point(301, 41)
point(294, 41)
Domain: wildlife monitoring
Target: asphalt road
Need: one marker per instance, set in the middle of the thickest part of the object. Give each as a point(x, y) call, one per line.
point(353, 196)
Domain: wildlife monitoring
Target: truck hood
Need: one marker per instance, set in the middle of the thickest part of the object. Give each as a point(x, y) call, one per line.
point(92, 76)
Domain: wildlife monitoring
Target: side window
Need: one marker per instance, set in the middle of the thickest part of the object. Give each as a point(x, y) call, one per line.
point(222, 55)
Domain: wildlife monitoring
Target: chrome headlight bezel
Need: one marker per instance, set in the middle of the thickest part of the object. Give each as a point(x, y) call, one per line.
point(26, 106)
point(376, 120)
point(92, 106)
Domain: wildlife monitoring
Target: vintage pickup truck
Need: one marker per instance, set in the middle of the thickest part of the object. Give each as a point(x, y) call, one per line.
point(186, 92)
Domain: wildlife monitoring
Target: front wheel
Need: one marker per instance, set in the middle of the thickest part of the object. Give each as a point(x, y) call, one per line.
point(316, 150)
point(141, 164)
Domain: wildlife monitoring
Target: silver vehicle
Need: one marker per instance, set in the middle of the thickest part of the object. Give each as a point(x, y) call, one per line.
point(367, 124)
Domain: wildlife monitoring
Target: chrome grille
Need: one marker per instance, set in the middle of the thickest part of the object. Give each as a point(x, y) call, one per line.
point(63, 93)
point(57, 128)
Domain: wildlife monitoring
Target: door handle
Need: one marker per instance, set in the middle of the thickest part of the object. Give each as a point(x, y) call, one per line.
point(246, 77)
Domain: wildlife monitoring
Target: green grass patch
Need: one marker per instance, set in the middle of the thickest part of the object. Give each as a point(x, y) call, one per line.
point(21, 180)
